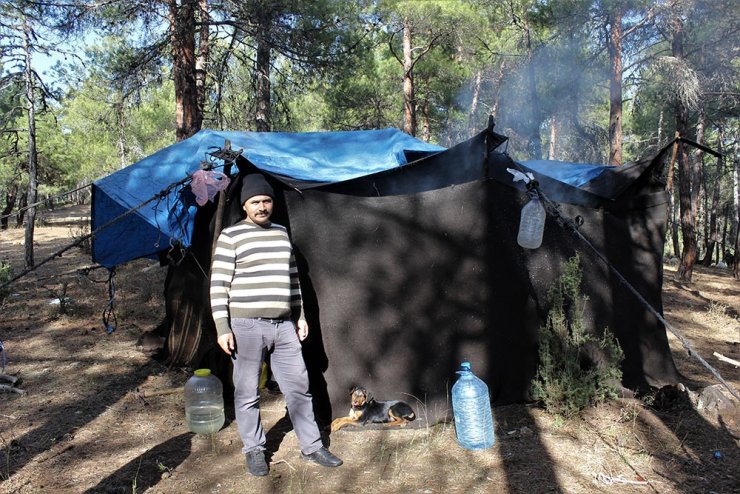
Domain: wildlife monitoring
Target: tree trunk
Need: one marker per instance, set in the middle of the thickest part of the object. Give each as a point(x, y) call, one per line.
point(262, 74)
point(473, 123)
point(120, 119)
point(685, 175)
point(22, 203)
point(409, 99)
point(426, 127)
point(722, 247)
point(497, 84)
point(201, 63)
point(10, 196)
point(615, 87)
point(713, 237)
point(32, 156)
point(553, 137)
point(672, 220)
point(736, 214)
point(535, 143)
point(188, 118)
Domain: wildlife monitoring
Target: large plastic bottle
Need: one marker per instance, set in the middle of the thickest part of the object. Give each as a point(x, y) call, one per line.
point(204, 402)
point(471, 405)
point(532, 223)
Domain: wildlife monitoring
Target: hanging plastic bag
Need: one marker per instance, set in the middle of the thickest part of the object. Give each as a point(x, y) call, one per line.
point(205, 184)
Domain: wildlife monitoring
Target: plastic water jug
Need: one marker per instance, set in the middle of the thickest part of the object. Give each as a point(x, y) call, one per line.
point(532, 223)
point(471, 405)
point(204, 402)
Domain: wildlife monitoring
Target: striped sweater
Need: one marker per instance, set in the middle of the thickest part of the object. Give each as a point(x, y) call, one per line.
point(254, 274)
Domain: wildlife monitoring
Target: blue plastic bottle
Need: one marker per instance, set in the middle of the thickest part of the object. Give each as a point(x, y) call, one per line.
point(471, 405)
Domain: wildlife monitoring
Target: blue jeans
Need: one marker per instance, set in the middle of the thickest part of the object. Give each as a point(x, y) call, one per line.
point(255, 337)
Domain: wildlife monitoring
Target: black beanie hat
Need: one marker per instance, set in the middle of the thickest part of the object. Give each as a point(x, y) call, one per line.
point(255, 184)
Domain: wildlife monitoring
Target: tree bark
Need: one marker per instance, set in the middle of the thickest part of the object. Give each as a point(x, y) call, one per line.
point(120, 120)
point(472, 120)
point(10, 196)
point(685, 175)
point(182, 35)
point(262, 74)
point(409, 99)
point(201, 62)
point(713, 237)
point(22, 203)
point(672, 220)
point(535, 142)
point(736, 213)
point(553, 137)
point(496, 82)
point(615, 87)
point(426, 126)
point(32, 153)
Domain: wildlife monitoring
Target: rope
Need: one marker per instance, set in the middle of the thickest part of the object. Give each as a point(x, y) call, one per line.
point(109, 311)
point(38, 203)
point(159, 195)
point(554, 210)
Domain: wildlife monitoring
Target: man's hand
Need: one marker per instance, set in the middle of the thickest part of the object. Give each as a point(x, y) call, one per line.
point(226, 342)
point(302, 329)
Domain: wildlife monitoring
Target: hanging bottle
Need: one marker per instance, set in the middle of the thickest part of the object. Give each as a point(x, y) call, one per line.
point(471, 405)
point(532, 222)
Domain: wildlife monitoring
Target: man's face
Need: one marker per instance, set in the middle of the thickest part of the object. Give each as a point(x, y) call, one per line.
point(258, 209)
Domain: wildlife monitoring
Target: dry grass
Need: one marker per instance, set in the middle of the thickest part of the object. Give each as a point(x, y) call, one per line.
point(81, 429)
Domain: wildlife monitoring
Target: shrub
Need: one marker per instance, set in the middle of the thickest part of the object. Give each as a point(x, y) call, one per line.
point(576, 368)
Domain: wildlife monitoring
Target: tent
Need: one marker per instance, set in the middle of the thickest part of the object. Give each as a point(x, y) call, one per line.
point(411, 267)
point(312, 156)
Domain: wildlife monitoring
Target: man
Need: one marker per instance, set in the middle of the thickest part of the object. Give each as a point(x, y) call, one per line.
point(257, 307)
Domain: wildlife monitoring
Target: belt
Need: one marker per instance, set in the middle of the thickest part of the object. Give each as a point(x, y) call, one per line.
point(271, 321)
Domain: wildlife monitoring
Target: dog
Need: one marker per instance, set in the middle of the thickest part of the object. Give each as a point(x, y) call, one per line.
point(365, 409)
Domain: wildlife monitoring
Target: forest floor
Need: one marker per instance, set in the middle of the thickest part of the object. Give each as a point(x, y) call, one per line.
point(86, 423)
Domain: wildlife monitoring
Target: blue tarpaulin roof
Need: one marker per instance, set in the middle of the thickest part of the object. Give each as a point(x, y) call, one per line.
point(322, 157)
point(575, 174)
point(312, 156)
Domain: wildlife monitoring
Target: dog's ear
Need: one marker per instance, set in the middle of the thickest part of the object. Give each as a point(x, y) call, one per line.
point(352, 388)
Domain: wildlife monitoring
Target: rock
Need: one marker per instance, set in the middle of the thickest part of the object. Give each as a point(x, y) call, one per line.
point(714, 398)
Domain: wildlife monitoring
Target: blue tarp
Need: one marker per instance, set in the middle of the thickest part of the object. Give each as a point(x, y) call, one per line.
point(575, 174)
point(313, 156)
point(323, 157)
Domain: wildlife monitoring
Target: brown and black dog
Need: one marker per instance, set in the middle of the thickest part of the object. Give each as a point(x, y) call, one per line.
point(365, 409)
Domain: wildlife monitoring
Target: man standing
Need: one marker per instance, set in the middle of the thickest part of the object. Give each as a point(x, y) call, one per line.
point(257, 307)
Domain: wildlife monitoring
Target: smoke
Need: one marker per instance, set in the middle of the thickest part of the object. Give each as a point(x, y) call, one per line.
point(564, 111)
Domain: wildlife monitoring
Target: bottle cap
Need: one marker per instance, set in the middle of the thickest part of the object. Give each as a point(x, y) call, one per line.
point(465, 366)
point(202, 372)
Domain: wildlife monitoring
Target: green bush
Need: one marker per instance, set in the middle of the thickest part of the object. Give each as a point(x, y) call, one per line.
point(576, 368)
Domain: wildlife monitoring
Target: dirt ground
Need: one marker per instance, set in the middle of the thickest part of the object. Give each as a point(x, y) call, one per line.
point(84, 426)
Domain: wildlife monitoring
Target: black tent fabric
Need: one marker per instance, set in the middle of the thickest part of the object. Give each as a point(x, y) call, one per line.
point(406, 273)
point(413, 276)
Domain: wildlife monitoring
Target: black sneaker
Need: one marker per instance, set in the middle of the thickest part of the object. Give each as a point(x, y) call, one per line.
point(323, 457)
point(256, 463)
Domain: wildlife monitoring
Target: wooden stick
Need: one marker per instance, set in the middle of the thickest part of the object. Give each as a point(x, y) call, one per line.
point(11, 389)
point(726, 359)
point(8, 379)
point(142, 393)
